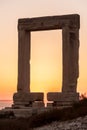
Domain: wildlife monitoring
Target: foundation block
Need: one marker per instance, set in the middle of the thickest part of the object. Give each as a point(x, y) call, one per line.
point(61, 97)
point(62, 100)
point(38, 104)
point(24, 98)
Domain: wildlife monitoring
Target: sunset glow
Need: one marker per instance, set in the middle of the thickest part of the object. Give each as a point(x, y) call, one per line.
point(46, 46)
point(46, 61)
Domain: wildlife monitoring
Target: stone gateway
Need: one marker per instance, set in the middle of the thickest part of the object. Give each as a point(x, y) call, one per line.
point(69, 24)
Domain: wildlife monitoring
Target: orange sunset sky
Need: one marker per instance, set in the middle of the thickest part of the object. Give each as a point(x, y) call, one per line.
point(46, 46)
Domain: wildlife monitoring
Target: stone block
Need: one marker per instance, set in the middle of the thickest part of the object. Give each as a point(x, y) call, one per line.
point(23, 113)
point(63, 97)
point(24, 98)
point(49, 23)
point(50, 104)
point(62, 104)
point(38, 104)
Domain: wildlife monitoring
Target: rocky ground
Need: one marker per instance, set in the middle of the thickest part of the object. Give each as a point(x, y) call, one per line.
point(75, 124)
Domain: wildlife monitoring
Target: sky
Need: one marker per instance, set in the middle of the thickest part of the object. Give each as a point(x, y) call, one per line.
point(46, 46)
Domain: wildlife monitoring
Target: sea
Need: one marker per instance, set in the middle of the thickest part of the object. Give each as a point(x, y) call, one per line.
point(5, 103)
point(8, 103)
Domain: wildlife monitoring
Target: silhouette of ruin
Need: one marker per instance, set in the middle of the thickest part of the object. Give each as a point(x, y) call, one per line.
point(69, 24)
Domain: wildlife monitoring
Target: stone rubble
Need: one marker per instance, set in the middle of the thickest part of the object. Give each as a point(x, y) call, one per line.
point(75, 124)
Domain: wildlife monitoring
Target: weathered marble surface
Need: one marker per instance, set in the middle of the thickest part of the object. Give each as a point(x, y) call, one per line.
point(26, 98)
point(55, 96)
point(70, 25)
point(49, 22)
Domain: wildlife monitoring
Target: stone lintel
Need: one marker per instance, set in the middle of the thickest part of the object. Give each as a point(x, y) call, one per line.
point(49, 22)
point(25, 98)
point(63, 97)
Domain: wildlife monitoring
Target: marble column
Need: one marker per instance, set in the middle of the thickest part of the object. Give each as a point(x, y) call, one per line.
point(74, 59)
point(23, 61)
point(70, 59)
point(65, 54)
